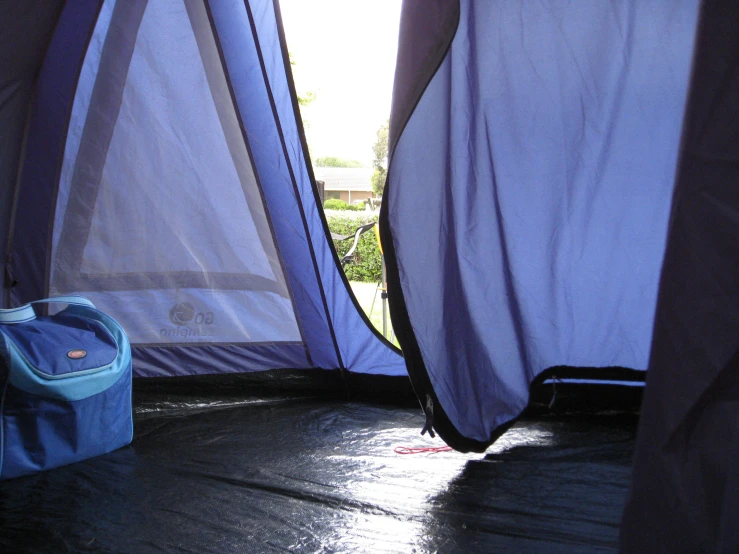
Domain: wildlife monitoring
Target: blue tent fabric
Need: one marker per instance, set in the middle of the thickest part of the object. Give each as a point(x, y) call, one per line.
point(43, 147)
point(358, 347)
point(544, 149)
point(548, 203)
point(166, 163)
point(26, 30)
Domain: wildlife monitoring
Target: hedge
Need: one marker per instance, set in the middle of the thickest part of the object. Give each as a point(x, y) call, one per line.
point(338, 204)
point(367, 263)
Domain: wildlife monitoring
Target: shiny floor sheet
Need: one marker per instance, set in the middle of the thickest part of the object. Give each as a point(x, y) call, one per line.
point(226, 475)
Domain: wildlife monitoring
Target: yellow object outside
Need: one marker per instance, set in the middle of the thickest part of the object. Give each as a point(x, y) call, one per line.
point(377, 236)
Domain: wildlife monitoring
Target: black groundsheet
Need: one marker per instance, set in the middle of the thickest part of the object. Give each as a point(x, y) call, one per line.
point(299, 475)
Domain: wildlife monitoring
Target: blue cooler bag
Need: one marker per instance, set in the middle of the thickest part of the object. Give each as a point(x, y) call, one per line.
point(65, 381)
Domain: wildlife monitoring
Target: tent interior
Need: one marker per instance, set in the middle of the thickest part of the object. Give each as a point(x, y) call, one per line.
point(560, 225)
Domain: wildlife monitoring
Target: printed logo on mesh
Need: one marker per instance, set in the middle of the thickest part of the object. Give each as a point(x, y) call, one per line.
point(182, 313)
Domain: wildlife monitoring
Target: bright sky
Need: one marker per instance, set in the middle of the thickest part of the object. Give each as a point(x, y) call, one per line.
point(344, 51)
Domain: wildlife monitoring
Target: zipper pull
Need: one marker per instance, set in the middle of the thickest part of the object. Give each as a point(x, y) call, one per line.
point(429, 411)
point(554, 391)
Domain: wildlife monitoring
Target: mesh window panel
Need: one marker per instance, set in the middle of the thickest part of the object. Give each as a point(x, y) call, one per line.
point(160, 219)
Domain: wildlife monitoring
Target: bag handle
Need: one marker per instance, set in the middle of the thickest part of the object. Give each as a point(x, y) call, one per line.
point(26, 313)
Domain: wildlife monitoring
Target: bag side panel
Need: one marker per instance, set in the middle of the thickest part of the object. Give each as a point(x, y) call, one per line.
point(43, 433)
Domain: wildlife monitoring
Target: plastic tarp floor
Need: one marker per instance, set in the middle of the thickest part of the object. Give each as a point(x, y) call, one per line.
point(315, 475)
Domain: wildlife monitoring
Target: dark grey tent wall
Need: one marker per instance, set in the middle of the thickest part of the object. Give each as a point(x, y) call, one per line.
point(427, 28)
point(685, 493)
point(25, 29)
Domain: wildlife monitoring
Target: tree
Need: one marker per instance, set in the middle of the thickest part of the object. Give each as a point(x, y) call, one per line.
point(309, 96)
point(304, 100)
point(380, 161)
point(333, 161)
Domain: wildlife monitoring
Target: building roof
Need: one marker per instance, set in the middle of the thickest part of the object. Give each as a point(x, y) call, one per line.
point(345, 178)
